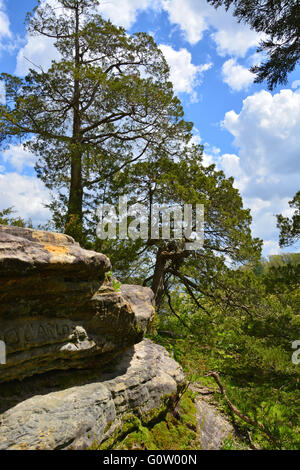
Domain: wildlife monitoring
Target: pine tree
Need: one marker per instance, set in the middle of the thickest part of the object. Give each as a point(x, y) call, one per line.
point(100, 107)
point(162, 264)
point(280, 21)
point(290, 227)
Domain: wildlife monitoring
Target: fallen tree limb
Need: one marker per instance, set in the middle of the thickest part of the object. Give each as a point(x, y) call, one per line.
point(171, 334)
point(237, 412)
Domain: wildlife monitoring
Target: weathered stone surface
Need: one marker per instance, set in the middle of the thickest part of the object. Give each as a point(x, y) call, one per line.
point(56, 311)
point(73, 418)
point(142, 300)
point(213, 427)
point(41, 270)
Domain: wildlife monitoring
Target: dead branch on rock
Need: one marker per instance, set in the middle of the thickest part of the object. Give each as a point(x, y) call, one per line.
point(236, 411)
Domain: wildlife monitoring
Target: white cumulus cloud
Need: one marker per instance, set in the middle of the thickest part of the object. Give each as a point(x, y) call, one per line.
point(184, 75)
point(267, 133)
point(125, 13)
point(234, 39)
point(271, 247)
point(194, 17)
point(38, 52)
point(266, 167)
point(4, 22)
point(26, 194)
point(18, 157)
point(191, 16)
point(2, 93)
point(296, 84)
point(236, 76)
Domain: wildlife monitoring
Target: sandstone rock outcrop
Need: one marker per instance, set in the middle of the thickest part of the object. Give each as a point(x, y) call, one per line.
point(74, 417)
point(77, 368)
point(57, 310)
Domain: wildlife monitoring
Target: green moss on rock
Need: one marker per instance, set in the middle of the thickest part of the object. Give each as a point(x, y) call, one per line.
point(162, 429)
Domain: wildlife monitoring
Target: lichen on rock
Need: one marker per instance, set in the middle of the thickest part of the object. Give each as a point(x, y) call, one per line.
point(76, 363)
point(56, 310)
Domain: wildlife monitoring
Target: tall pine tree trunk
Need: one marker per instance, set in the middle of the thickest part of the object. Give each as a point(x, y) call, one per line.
point(74, 223)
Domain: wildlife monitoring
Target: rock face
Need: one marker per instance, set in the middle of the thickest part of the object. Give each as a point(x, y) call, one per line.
point(77, 367)
point(57, 310)
point(76, 364)
point(74, 417)
point(213, 427)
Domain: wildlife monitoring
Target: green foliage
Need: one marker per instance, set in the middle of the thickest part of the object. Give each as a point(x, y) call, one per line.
point(106, 102)
point(250, 346)
point(166, 431)
point(6, 218)
point(229, 444)
point(116, 285)
point(290, 227)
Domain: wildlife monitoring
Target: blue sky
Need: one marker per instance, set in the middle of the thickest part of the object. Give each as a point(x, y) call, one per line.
point(249, 132)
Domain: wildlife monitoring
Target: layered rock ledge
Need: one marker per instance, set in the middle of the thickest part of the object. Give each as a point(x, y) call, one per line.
point(57, 310)
point(77, 366)
point(77, 371)
point(75, 417)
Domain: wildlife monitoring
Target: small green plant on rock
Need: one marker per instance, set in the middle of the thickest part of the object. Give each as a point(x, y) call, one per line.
point(116, 285)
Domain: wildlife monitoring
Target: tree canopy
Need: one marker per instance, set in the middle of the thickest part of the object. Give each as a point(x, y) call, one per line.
point(290, 227)
point(104, 122)
point(162, 264)
point(103, 105)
